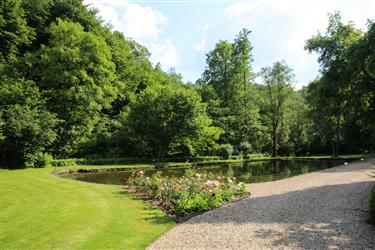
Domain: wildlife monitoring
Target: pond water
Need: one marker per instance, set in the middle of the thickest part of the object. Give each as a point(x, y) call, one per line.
point(249, 172)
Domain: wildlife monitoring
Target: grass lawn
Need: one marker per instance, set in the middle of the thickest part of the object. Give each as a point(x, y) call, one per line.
point(42, 211)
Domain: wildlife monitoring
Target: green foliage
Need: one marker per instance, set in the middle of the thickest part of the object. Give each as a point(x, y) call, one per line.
point(227, 87)
point(245, 148)
point(225, 151)
point(278, 90)
point(330, 97)
point(28, 127)
point(38, 160)
point(77, 71)
point(15, 34)
point(72, 87)
point(163, 115)
point(191, 193)
point(256, 156)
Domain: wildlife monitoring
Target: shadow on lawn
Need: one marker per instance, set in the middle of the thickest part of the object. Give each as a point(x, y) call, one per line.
point(151, 214)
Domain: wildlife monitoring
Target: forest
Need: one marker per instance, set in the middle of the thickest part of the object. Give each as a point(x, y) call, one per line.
point(71, 86)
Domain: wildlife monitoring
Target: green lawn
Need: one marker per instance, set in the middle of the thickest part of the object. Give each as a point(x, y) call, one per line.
point(42, 211)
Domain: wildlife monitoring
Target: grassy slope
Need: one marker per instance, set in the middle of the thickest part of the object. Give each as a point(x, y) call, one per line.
point(41, 211)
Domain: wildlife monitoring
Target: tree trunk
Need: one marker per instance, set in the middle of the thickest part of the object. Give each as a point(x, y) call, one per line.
point(274, 147)
point(337, 135)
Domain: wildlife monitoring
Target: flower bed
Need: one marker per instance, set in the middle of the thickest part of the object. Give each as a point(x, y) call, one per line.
point(190, 194)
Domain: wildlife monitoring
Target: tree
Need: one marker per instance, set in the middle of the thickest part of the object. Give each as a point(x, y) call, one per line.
point(228, 76)
point(163, 115)
point(247, 122)
point(15, 34)
point(26, 124)
point(334, 90)
point(219, 69)
point(77, 74)
point(278, 80)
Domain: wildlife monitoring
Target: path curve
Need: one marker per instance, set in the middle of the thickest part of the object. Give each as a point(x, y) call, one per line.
point(319, 210)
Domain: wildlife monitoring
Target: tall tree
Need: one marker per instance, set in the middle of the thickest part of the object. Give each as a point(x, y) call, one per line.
point(219, 69)
point(333, 48)
point(278, 81)
point(244, 102)
point(227, 82)
point(77, 72)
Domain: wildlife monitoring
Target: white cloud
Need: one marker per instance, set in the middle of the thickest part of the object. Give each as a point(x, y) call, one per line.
point(239, 8)
point(134, 20)
point(165, 53)
point(205, 27)
point(200, 46)
point(299, 21)
point(141, 23)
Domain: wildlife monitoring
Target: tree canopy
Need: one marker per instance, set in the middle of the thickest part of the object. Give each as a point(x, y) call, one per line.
point(71, 86)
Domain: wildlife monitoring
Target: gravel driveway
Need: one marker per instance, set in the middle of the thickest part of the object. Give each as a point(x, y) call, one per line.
point(320, 210)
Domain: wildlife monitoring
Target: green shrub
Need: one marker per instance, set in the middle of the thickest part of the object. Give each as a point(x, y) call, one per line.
point(255, 156)
point(65, 162)
point(191, 193)
point(245, 148)
point(372, 206)
point(225, 151)
point(128, 160)
point(107, 161)
point(236, 157)
point(38, 160)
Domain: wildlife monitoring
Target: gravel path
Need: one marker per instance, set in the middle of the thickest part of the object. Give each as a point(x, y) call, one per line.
point(320, 210)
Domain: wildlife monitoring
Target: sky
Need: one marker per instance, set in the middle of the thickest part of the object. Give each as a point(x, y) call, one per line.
point(179, 33)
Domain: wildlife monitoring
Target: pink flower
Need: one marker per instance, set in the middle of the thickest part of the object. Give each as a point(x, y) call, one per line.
point(140, 173)
point(197, 176)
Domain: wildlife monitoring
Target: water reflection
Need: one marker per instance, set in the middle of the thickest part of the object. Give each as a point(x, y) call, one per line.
point(249, 172)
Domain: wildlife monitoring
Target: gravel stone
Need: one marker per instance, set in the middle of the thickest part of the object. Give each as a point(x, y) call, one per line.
point(320, 210)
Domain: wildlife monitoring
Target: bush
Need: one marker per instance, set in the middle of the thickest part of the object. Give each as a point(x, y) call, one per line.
point(245, 148)
point(225, 151)
point(128, 160)
point(65, 162)
point(372, 206)
point(191, 193)
point(236, 157)
point(255, 156)
point(38, 160)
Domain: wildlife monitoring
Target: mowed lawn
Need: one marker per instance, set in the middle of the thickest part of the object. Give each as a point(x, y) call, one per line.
point(42, 211)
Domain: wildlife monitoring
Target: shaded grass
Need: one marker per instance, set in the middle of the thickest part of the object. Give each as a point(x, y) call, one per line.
point(42, 211)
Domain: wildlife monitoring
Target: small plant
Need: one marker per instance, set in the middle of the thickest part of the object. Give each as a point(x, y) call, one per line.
point(193, 192)
point(225, 151)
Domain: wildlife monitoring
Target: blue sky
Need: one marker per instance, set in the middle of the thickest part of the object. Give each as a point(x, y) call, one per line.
point(179, 33)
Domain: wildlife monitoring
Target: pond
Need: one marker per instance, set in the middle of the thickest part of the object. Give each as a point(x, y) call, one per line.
point(249, 172)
